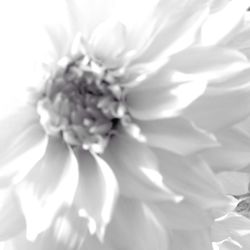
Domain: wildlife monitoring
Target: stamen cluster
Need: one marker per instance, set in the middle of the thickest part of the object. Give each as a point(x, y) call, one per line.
point(83, 104)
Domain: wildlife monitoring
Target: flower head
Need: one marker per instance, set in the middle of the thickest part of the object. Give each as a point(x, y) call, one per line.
point(105, 115)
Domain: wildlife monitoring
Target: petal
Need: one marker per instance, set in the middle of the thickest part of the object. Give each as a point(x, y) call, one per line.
point(228, 225)
point(233, 154)
point(217, 109)
point(192, 178)
point(158, 102)
point(108, 42)
point(11, 218)
point(182, 215)
point(51, 184)
point(68, 232)
point(13, 122)
point(191, 240)
point(136, 169)
point(89, 14)
point(234, 183)
point(225, 21)
point(134, 227)
point(208, 62)
point(177, 135)
point(97, 190)
point(182, 21)
point(18, 158)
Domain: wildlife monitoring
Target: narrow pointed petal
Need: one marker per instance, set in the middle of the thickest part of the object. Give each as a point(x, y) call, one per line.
point(97, 190)
point(209, 62)
point(136, 169)
point(217, 109)
point(11, 218)
point(233, 154)
point(18, 158)
point(51, 184)
point(182, 215)
point(158, 102)
point(192, 178)
point(177, 135)
point(134, 227)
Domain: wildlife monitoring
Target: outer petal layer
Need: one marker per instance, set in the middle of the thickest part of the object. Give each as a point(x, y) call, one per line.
point(51, 184)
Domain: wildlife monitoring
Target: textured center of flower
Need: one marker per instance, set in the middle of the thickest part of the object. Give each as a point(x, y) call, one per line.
point(83, 104)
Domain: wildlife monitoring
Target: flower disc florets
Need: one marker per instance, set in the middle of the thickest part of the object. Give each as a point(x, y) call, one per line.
point(83, 104)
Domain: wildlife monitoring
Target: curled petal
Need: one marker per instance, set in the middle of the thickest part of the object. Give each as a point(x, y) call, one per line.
point(97, 190)
point(50, 185)
point(177, 135)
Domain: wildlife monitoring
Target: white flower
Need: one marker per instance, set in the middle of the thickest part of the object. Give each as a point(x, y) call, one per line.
point(96, 112)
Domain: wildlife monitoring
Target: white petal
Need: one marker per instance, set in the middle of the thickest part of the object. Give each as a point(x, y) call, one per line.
point(209, 63)
point(181, 21)
point(233, 154)
point(132, 161)
point(21, 156)
point(108, 42)
point(188, 239)
point(157, 102)
point(97, 190)
point(217, 109)
point(11, 218)
point(13, 122)
point(192, 178)
point(234, 183)
point(68, 232)
point(183, 215)
point(177, 135)
point(220, 24)
point(134, 227)
point(51, 184)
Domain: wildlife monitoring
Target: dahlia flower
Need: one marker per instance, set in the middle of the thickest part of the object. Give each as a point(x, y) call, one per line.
point(97, 127)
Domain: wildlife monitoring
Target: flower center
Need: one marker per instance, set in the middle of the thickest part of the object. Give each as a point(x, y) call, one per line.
point(83, 104)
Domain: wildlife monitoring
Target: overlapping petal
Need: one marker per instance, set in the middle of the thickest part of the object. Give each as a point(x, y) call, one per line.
point(192, 178)
point(181, 216)
point(135, 227)
point(177, 135)
point(218, 109)
point(51, 184)
point(97, 190)
point(233, 152)
point(136, 169)
point(11, 218)
point(21, 155)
